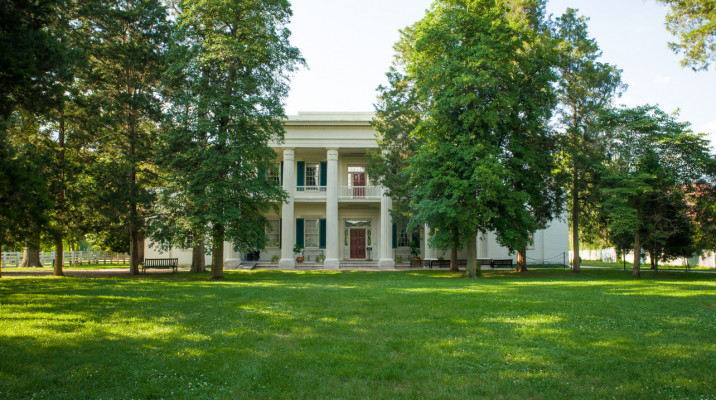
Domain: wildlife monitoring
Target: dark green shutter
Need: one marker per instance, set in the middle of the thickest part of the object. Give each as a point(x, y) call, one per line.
point(262, 173)
point(416, 239)
point(281, 172)
point(395, 236)
point(324, 173)
point(280, 233)
point(299, 231)
point(322, 233)
point(301, 173)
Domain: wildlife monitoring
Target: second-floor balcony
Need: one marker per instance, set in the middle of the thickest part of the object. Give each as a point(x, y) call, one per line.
point(310, 193)
point(345, 193)
point(359, 193)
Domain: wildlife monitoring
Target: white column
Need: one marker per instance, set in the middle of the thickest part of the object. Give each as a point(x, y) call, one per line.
point(429, 251)
point(386, 233)
point(288, 228)
point(482, 245)
point(332, 261)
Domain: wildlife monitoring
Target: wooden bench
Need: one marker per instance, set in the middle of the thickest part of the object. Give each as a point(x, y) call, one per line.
point(442, 263)
point(484, 261)
point(506, 262)
point(160, 263)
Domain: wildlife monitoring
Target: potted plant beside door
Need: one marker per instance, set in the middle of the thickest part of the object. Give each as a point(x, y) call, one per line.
point(415, 252)
point(298, 251)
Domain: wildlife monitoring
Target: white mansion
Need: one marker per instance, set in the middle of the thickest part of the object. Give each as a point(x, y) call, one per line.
point(335, 209)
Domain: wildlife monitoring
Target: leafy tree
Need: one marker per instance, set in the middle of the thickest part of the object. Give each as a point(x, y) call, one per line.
point(668, 231)
point(702, 210)
point(585, 87)
point(650, 153)
point(127, 59)
point(483, 76)
point(694, 23)
point(227, 78)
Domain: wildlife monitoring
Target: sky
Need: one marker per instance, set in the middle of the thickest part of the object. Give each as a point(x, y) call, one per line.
point(348, 46)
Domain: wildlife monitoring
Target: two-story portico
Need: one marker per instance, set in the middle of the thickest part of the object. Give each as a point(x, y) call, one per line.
point(333, 206)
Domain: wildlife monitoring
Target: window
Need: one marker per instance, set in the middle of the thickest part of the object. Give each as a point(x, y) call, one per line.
point(189, 243)
point(313, 173)
point(273, 233)
point(311, 233)
point(274, 174)
point(403, 236)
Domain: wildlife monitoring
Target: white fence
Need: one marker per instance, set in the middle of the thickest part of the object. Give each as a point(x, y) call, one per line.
point(610, 255)
point(13, 258)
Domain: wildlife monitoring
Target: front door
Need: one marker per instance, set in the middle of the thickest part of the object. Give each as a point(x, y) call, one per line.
point(357, 243)
point(359, 184)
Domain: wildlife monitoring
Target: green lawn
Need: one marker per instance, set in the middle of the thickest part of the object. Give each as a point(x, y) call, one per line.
point(548, 334)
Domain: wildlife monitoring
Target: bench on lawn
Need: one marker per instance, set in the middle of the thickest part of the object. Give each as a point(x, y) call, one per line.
point(484, 261)
point(442, 263)
point(506, 262)
point(160, 263)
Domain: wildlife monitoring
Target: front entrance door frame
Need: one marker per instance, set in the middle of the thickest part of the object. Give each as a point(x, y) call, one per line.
point(358, 250)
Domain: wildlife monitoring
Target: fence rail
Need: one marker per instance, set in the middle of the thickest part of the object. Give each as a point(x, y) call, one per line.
point(47, 258)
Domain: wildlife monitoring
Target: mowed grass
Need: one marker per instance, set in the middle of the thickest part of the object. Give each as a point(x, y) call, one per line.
point(81, 267)
point(547, 334)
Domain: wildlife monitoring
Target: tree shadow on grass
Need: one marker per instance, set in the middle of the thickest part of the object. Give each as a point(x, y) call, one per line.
point(271, 334)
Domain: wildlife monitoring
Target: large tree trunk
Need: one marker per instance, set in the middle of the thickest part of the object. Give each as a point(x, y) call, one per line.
point(59, 256)
point(453, 259)
point(140, 247)
point(31, 254)
point(198, 261)
point(473, 270)
point(133, 252)
point(576, 264)
point(637, 255)
point(522, 259)
point(453, 251)
point(217, 259)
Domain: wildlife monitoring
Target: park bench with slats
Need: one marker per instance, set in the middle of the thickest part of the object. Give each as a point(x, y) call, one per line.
point(501, 263)
point(160, 263)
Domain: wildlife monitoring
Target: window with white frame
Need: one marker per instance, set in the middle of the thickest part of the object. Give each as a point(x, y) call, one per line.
point(274, 174)
point(189, 242)
point(273, 233)
point(403, 236)
point(311, 230)
point(313, 173)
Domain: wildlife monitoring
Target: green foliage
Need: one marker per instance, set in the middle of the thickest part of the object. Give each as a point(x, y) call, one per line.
point(463, 126)
point(694, 23)
point(228, 74)
point(653, 158)
point(585, 87)
point(297, 249)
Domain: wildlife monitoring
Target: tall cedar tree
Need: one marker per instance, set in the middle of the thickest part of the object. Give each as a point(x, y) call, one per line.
point(650, 153)
point(694, 22)
point(31, 59)
point(126, 55)
point(227, 77)
point(484, 157)
point(585, 87)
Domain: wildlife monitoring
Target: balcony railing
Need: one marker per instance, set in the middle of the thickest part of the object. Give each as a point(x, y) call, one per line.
point(310, 192)
point(359, 193)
